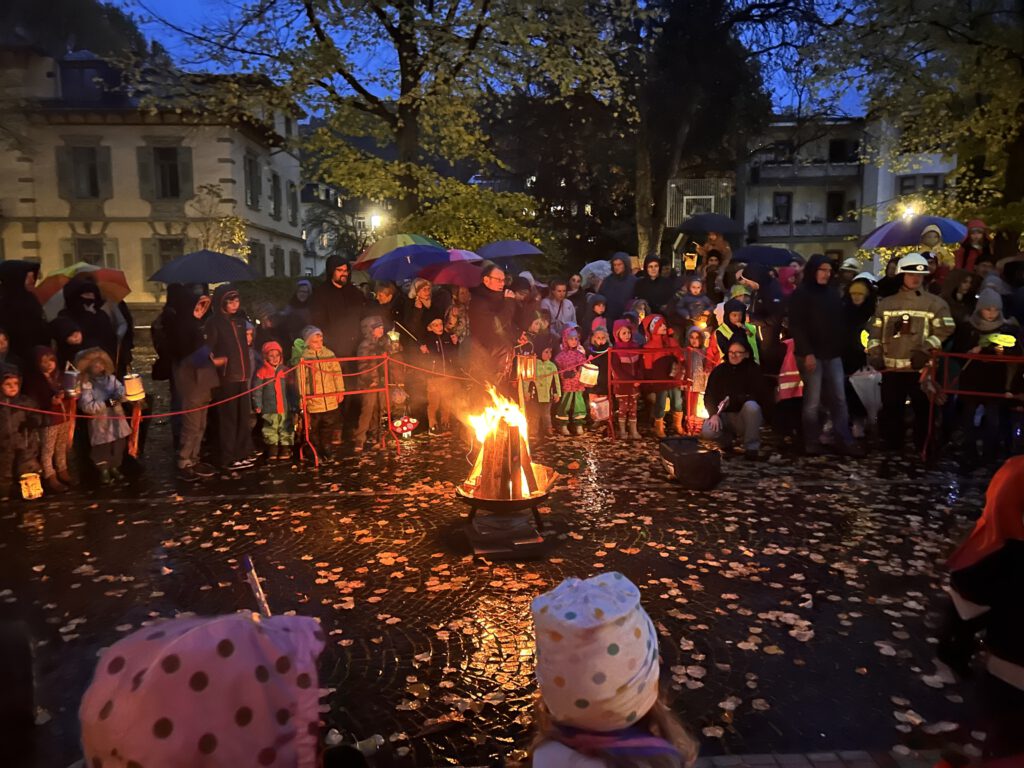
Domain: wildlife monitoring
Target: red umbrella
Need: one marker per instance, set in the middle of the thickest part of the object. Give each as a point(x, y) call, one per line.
point(464, 273)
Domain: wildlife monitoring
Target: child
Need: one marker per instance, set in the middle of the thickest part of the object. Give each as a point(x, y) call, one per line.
point(689, 304)
point(274, 402)
point(627, 368)
point(539, 333)
point(324, 380)
point(696, 369)
point(45, 387)
point(370, 377)
point(660, 364)
point(735, 322)
point(101, 395)
point(544, 390)
point(572, 407)
point(440, 349)
point(596, 307)
point(595, 709)
point(19, 440)
point(226, 336)
point(597, 397)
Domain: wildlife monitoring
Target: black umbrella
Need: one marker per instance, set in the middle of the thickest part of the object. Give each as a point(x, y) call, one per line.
point(767, 255)
point(204, 267)
point(712, 222)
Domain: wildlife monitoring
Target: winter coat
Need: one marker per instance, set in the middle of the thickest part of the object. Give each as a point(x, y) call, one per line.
point(625, 366)
point(739, 383)
point(61, 328)
point(563, 313)
point(96, 326)
point(490, 320)
point(617, 290)
point(548, 385)
point(855, 323)
point(297, 315)
point(225, 335)
point(568, 362)
point(21, 315)
point(17, 427)
point(657, 293)
point(441, 353)
point(685, 309)
point(42, 390)
point(337, 311)
point(320, 379)
point(660, 365)
point(598, 355)
point(277, 395)
point(816, 316)
point(929, 325)
point(746, 331)
point(93, 401)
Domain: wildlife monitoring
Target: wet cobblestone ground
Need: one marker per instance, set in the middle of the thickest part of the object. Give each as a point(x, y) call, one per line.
point(793, 602)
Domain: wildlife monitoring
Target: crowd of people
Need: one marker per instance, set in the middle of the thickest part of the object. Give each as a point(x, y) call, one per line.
point(719, 351)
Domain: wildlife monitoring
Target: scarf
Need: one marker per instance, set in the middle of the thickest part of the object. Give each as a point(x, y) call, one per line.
point(628, 742)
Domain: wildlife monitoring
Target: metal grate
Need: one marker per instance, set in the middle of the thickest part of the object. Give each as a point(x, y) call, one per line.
point(687, 197)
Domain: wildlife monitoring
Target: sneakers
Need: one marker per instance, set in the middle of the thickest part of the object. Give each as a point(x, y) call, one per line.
point(188, 475)
point(203, 470)
point(240, 465)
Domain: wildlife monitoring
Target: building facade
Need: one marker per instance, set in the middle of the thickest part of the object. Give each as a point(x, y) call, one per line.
point(93, 176)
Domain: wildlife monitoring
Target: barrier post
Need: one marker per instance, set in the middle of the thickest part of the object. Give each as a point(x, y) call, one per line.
point(387, 404)
point(305, 414)
point(611, 402)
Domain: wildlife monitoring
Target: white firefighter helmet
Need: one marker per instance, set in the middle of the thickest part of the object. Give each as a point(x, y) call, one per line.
point(912, 264)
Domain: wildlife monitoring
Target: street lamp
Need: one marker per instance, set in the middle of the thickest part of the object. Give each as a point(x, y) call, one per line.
point(376, 220)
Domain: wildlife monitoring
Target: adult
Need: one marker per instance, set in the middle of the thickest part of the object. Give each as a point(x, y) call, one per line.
point(974, 247)
point(858, 308)
point(561, 309)
point(816, 323)
point(225, 333)
point(986, 581)
point(298, 313)
point(618, 287)
point(417, 311)
point(491, 335)
point(337, 307)
point(890, 283)
point(960, 292)
point(653, 286)
point(577, 293)
point(848, 270)
point(194, 377)
point(385, 305)
point(21, 314)
point(526, 303)
point(733, 398)
point(712, 271)
point(84, 305)
point(906, 329)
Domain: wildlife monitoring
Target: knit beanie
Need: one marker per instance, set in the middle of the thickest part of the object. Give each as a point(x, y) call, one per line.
point(308, 331)
point(989, 299)
point(739, 290)
point(597, 653)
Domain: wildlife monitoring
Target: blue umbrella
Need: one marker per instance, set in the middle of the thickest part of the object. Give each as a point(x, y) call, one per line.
point(767, 255)
point(405, 263)
point(507, 249)
point(907, 232)
point(204, 267)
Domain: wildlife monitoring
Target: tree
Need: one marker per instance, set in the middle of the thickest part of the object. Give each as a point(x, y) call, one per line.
point(216, 229)
point(60, 26)
point(406, 75)
point(942, 77)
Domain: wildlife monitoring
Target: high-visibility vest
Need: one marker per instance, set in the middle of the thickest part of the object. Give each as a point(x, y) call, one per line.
point(790, 383)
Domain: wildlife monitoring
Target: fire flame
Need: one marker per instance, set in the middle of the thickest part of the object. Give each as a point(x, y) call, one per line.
point(486, 423)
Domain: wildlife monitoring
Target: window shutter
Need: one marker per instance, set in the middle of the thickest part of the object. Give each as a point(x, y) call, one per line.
point(67, 251)
point(111, 257)
point(105, 173)
point(150, 263)
point(185, 173)
point(65, 174)
point(147, 173)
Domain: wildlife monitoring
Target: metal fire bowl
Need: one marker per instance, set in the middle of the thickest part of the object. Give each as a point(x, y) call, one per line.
point(500, 505)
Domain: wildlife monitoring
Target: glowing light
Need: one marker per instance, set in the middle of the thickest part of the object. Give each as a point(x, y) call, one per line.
point(376, 221)
point(910, 210)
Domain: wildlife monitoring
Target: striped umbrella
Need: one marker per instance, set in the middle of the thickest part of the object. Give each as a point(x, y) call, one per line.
point(390, 243)
point(112, 284)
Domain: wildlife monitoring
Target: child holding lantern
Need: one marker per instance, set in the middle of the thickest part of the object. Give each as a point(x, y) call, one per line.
point(274, 401)
point(572, 407)
point(102, 395)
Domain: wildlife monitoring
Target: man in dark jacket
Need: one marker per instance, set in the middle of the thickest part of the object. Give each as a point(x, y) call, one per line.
point(491, 330)
point(618, 287)
point(655, 288)
point(733, 397)
point(21, 315)
point(337, 308)
point(83, 304)
point(225, 335)
point(816, 322)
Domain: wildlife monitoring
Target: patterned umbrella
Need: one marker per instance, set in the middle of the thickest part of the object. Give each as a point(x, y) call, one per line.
point(388, 244)
point(907, 232)
point(399, 267)
point(112, 283)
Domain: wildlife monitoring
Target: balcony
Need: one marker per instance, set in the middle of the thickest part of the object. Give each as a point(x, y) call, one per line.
point(804, 173)
point(805, 229)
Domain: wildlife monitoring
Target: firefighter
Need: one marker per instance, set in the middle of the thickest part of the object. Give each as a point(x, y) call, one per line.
point(906, 328)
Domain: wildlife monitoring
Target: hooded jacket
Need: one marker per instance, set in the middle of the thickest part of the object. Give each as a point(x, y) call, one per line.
point(816, 315)
point(627, 367)
point(42, 389)
point(739, 383)
point(225, 335)
point(661, 354)
point(978, 375)
point(855, 323)
point(569, 362)
point(337, 311)
point(685, 308)
point(97, 329)
point(62, 328)
point(618, 289)
point(371, 374)
point(967, 255)
point(18, 433)
point(725, 332)
point(658, 292)
point(20, 312)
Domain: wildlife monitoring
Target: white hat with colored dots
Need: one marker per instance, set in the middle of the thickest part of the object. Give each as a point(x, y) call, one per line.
point(597, 653)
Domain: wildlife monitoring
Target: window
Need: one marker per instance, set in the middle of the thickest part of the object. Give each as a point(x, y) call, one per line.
point(293, 205)
point(907, 185)
point(287, 126)
point(258, 257)
point(86, 170)
point(89, 250)
point(294, 262)
point(169, 248)
point(835, 255)
point(275, 195)
point(930, 181)
point(167, 178)
point(782, 207)
point(277, 261)
point(835, 206)
point(842, 150)
point(253, 182)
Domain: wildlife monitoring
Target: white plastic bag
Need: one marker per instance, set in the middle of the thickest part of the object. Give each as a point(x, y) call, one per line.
point(867, 383)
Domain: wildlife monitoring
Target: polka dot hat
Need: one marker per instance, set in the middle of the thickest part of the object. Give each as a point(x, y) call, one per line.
point(236, 690)
point(597, 653)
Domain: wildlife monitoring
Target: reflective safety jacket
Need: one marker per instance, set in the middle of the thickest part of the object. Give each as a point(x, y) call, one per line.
point(906, 328)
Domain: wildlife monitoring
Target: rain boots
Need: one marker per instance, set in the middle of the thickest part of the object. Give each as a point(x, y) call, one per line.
point(622, 429)
point(578, 430)
point(564, 430)
point(677, 422)
point(52, 485)
point(633, 433)
point(659, 428)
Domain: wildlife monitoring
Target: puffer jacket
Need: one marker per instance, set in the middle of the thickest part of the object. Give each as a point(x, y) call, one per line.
point(225, 335)
point(321, 378)
point(96, 392)
point(930, 323)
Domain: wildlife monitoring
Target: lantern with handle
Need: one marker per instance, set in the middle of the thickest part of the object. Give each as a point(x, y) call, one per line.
point(526, 364)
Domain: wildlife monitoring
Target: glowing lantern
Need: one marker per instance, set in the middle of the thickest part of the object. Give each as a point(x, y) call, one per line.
point(526, 366)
